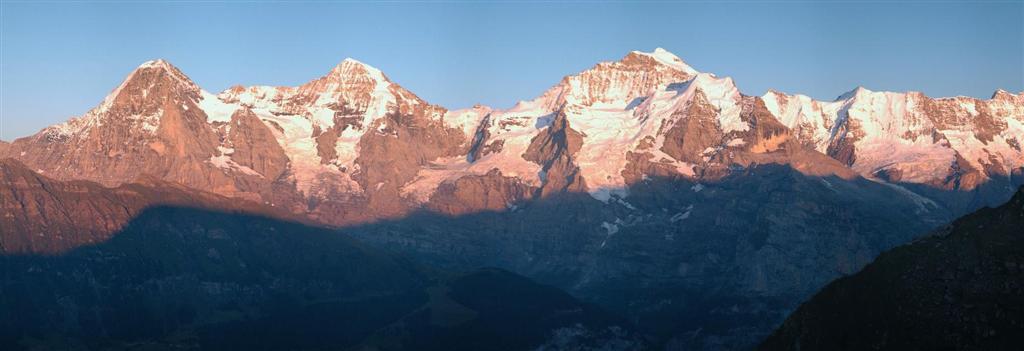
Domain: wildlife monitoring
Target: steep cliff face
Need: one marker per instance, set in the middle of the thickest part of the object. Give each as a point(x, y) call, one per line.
point(555, 149)
point(960, 288)
point(252, 145)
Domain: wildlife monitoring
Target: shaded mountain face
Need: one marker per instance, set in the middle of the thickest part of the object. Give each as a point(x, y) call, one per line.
point(961, 288)
point(179, 277)
point(188, 279)
point(697, 265)
point(493, 309)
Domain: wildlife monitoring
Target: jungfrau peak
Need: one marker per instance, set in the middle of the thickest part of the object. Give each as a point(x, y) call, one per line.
point(623, 81)
point(668, 59)
point(354, 146)
point(595, 118)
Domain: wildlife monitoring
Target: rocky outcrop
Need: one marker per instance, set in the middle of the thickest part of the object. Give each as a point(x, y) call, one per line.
point(768, 141)
point(766, 133)
point(695, 131)
point(553, 149)
point(489, 192)
point(844, 147)
point(393, 155)
point(255, 147)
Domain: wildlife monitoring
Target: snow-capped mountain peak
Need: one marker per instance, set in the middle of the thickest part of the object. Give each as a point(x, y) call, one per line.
point(619, 83)
point(140, 100)
point(858, 91)
point(158, 63)
point(163, 67)
point(668, 59)
point(350, 68)
point(1002, 94)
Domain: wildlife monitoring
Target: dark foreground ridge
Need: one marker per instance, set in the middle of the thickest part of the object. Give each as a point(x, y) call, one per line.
point(183, 279)
point(961, 288)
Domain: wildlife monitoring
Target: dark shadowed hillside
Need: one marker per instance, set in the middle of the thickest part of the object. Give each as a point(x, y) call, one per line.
point(700, 265)
point(959, 289)
point(179, 278)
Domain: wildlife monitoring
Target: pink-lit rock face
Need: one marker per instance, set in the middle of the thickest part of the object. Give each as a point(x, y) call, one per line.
point(354, 146)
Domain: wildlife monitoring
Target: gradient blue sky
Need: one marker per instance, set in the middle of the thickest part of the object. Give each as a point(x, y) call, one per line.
point(59, 59)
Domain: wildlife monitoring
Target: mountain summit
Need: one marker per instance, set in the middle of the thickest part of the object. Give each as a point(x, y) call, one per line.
point(668, 59)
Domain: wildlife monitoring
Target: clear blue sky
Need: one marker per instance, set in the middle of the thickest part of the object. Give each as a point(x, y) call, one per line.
point(58, 60)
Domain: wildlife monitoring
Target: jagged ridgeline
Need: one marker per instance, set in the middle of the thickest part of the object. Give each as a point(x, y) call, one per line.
point(354, 146)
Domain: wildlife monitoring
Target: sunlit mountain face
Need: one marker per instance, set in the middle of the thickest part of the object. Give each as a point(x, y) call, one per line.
point(639, 204)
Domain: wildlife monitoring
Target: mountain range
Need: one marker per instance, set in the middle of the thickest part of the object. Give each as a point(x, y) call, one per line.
point(353, 146)
point(653, 190)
